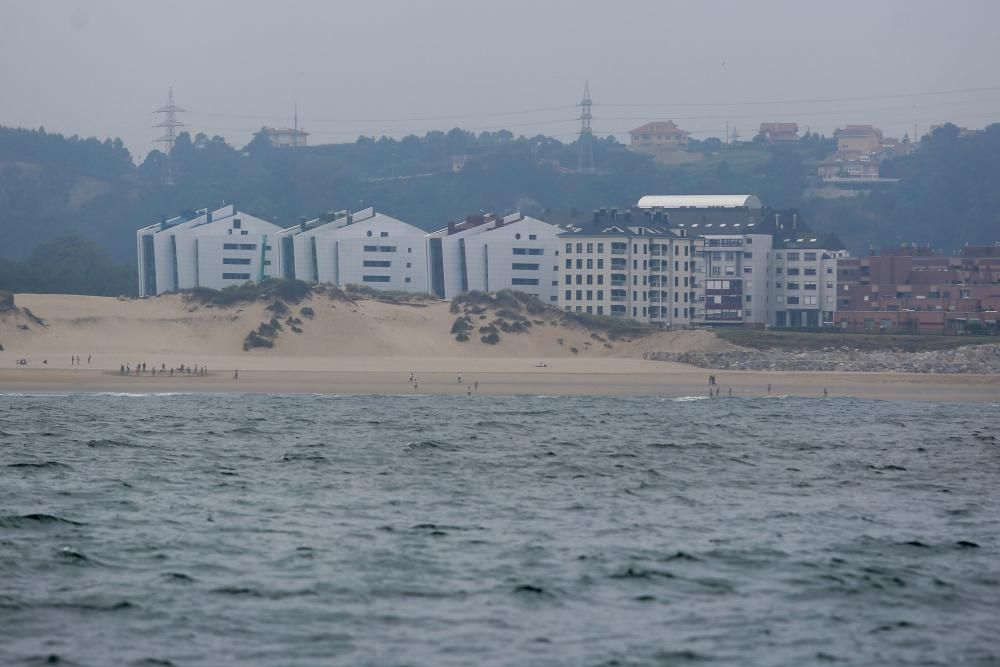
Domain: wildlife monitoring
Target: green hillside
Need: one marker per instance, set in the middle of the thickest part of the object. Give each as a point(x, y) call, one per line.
point(52, 186)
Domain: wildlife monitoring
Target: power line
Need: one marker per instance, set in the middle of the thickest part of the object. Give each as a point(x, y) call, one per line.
point(807, 101)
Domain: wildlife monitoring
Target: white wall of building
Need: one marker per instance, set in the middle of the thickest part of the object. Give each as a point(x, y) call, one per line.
point(521, 253)
point(648, 277)
point(218, 249)
point(363, 248)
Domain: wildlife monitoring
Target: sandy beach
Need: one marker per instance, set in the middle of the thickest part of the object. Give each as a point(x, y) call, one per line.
point(371, 347)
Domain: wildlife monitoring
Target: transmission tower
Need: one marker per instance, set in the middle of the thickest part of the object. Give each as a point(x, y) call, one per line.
point(585, 144)
point(170, 123)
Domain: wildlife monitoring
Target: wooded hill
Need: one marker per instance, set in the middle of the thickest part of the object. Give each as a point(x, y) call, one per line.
point(53, 186)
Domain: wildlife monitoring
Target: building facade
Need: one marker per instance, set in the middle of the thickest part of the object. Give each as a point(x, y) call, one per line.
point(774, 133)
point(214, 249)
point(491, 253)
point(627, 263)
point(658, 136)
point(915, 290)
point(360, 248)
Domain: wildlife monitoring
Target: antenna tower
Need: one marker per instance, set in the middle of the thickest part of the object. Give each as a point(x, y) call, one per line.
point(585, 144)
point(170, 123)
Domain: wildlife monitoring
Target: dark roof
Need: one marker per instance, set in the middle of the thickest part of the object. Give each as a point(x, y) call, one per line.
point(787, 227)
point(610, 222)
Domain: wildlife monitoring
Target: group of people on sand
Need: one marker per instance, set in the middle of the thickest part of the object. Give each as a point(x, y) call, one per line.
point(468, 390)
point(75, 360)
point(143, 369)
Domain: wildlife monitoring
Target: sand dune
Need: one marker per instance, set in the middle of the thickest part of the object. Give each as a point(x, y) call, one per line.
point(370, 346)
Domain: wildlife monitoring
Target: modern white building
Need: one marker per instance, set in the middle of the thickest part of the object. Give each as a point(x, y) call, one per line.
point(491, 253)
point(628, 264)
point(214, 249)
point(360, 248)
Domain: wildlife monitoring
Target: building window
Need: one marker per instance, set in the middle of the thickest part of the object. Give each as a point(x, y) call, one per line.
point(532, 237)
point(579, 279)
point(579, 247)
point(579, 295)
point(590, 295)
point(569, 264)
point(371, 248)
point(407, 279)
point(569, 279)
point(569, 294)
point(600, 248)
point(516, 266)
point(600, 278)
point(376, 263)
point(236, 260)
point(569, 248)
point(368, 233)
point(590, 278)
point(810, 256)
point(409, 265)
point(375, 279)
point(524, 281)
point(387, 248)
point(236, 276)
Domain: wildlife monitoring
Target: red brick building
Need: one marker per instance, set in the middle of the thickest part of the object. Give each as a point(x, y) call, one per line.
point(913, 290)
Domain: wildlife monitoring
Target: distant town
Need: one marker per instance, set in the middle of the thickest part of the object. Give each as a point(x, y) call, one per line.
point(673, 261)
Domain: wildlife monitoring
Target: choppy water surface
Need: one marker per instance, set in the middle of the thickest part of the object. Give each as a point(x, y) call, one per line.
point(311, 530)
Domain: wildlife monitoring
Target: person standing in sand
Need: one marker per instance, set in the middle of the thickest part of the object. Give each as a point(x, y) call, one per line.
point(236, 374)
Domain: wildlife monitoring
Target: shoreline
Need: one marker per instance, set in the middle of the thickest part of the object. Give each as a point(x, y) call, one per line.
point(497, 377)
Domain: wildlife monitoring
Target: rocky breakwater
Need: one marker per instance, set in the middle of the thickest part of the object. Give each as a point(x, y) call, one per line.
point(982, 359)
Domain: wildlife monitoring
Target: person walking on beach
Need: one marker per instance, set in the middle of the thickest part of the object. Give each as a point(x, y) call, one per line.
point(469, 392)
point(476, 383)
point(236, 374)
point(730, 392)
point(824, 392)
point(460, 378)
point(411, 376)
point(769, 387)
point(88, 359)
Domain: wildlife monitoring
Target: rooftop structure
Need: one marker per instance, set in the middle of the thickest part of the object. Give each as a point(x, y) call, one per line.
point(700, 201)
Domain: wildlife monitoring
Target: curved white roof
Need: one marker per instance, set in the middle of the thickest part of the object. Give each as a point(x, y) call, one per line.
point(700, 201)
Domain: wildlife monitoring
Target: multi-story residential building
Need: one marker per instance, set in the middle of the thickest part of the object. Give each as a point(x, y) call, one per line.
point(491, 253)
point(774, 133)
point(214, 249)
point(914, 290)
point(658, 136)
point(804, 278)
point(627, 263)
point(360, 248)
point(748, 253)
point(862, 138)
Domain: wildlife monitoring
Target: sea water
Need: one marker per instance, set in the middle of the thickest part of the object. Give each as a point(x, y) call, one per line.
point(421, 530)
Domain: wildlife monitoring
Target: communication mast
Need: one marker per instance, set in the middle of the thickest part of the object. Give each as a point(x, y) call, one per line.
point(170, 123)
point(585, 144)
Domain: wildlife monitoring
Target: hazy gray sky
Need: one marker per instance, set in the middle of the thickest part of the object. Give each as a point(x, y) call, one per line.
point(397, 67)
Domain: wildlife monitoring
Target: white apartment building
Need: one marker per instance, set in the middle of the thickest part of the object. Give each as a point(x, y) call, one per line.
point(361, 248)
point(214, 249)
point(804, 281)
point(491, 253)
point(743, 269)
point(628, 264)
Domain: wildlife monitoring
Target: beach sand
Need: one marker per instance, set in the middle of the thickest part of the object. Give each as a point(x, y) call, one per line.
point(370, 347)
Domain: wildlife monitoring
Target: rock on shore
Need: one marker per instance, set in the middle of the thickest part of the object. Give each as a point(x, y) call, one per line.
point(982, 359)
